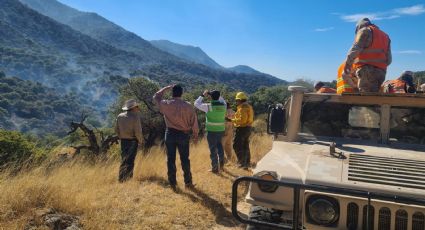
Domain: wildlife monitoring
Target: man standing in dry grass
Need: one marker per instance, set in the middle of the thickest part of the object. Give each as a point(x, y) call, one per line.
point(243, 120)
point(215, 124)
point(180, 119)
point(128, 127)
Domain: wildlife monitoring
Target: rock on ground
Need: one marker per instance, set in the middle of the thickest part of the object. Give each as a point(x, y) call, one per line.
point(51, 219)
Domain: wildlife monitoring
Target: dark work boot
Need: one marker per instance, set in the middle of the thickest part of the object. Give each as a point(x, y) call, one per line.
point(215, 171)
point(221, 165)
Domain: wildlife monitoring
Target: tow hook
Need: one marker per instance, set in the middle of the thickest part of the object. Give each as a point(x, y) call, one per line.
point(333, 153)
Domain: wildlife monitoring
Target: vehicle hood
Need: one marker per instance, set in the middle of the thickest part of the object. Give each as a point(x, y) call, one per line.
point(375, 168)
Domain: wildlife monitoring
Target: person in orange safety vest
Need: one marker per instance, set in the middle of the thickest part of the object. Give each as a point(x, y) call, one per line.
point(321, 88)
point(369, 56)
point(345, 85)
point(403, 84)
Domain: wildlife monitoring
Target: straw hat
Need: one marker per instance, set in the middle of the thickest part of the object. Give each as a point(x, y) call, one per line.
point(129, 104)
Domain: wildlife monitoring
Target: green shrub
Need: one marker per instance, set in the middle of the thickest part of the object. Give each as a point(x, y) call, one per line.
point(16, 149)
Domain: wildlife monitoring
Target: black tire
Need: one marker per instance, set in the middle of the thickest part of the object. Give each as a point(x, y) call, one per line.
point(264, 214)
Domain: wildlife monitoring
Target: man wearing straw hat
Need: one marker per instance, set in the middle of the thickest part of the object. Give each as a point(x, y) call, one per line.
point(129, 129)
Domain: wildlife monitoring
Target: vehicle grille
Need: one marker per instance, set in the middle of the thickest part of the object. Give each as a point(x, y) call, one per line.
point(418, 221)
point(401, 220)
point(371, 217)
point(384, 218)
point(352, 216)
point(387, 171)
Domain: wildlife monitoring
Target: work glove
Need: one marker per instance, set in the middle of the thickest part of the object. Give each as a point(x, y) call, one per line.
point(346, 76)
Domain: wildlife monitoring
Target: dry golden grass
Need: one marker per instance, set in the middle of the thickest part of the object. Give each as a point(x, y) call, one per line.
point(91, 191)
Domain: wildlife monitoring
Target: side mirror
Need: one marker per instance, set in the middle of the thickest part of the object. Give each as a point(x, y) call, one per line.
point(276, 119)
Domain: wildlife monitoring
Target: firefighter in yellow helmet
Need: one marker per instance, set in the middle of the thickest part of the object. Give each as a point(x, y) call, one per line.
point(242, 121)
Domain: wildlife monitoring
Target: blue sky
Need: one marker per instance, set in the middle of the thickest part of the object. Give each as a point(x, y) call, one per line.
point(289, 39)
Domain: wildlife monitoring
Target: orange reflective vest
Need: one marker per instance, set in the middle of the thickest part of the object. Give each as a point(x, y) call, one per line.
point(376, 53)
point(341, 85)
point(394, 86)
point(326, 90)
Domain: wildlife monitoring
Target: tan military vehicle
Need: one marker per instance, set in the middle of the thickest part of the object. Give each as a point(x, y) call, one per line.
point(340, 162)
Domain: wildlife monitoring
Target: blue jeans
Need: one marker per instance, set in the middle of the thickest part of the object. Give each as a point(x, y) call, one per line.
point(175, 139)
point(216, 149)
point(128, 154)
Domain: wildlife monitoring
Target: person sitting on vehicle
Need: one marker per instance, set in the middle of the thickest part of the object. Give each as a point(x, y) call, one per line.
point(348, 85)
point(321, 88)
point(369, 56)
point(422, 87)
point(403, 84)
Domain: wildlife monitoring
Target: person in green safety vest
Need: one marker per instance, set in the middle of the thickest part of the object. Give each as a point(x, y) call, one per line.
point(215, 126)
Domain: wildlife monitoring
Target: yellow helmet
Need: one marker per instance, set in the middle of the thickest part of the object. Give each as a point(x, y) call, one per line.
point(241, 96)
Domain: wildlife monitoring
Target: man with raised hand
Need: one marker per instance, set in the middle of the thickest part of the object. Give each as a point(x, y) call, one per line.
point(215, 125)
point(180, 120)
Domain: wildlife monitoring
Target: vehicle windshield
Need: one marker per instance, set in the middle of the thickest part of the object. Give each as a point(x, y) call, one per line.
point(407, 125)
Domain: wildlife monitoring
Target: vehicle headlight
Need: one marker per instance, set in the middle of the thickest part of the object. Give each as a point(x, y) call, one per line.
point(264, 186)
point(322, 210)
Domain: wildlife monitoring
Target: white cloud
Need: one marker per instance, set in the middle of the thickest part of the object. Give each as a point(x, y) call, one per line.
point(410, 52)
point(386, 15)
point(356, 17)
point(413, 10)
point(324, 29)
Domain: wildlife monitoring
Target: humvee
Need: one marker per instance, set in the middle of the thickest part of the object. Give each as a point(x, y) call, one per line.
point(351, 161)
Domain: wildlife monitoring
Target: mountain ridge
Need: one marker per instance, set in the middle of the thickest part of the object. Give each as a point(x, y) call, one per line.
point(99, 28)
point(197, 55)
point(161, 67)
point(244, 69)
point(188, 52)
point(39, 48)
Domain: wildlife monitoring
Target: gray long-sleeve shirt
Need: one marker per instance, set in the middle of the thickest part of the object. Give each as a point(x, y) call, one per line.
point(129, 126)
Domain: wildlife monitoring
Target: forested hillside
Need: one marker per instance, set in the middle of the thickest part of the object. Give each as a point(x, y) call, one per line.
point(100, 29)
point(31, 107)
point(38, 48)
point(69, 69)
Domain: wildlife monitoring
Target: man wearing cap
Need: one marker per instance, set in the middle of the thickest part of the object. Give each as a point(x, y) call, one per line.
point(321, 88)
point(422, 88)
point(180, 119)
point(368, 57)
point(403, 84)
point(242, 121)
point(215, 125)
point(128, 128)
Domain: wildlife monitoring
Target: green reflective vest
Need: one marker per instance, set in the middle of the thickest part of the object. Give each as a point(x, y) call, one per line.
point(215, 117)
